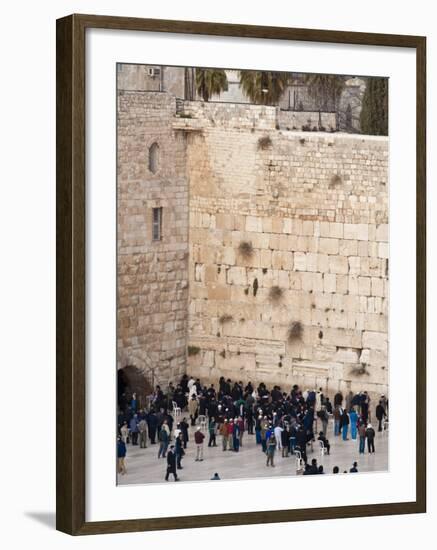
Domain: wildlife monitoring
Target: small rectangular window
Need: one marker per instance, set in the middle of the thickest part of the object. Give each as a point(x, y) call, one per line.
point(157, 224)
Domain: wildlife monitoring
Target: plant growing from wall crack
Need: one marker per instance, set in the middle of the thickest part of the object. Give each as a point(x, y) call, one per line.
point(264, 142)
point(193, 350)
point(275, 293)
point(245, 248)
point(295, 331)
point(225, 318)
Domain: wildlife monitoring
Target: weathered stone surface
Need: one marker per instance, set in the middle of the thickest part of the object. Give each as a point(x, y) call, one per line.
point(324, 246)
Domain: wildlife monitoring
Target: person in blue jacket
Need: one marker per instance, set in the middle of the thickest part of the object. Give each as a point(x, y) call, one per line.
point(133, 427)
point(353, 415)
point(121, 454)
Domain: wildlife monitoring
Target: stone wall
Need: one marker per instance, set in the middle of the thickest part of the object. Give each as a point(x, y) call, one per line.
point(228, 115)
point(152, 275)
point(294, 120)
point(312, 211)
point(273, 264)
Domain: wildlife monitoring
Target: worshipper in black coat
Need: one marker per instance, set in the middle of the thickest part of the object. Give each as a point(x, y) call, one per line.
point(380, 415)
point(370, 434)
point(171, 464)
point(183, 425)
point(365, 409)
point(179, 450)
point(338, 399)
point(301, 443)
point(202, 405)
point(184, 383)
point(153, 425)
point(212, 407)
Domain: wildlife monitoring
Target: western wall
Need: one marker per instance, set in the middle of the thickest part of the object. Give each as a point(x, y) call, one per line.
point(273, 260)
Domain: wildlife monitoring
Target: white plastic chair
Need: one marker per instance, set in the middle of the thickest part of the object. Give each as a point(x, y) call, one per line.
point(299, 461)
point(201, 421)
point(177, 412)
point(323, 449)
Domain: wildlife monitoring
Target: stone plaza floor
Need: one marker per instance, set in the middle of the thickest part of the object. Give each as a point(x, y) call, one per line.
point(143, 465)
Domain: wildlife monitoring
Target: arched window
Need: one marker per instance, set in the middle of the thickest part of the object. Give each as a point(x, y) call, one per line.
point(153, 157)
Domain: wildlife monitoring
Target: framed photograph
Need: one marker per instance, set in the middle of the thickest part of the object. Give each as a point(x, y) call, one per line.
point(240, 274)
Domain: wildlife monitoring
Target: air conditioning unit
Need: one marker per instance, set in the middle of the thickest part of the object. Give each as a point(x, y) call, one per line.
point(153, 71)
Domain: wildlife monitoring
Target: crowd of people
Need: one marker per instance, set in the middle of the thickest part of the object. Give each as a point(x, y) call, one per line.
point(281, 422)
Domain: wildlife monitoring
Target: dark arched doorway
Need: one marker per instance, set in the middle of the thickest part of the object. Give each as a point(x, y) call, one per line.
point(131, 379)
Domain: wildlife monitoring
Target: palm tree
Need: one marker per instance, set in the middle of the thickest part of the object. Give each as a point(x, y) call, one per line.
point(263, 87)
point(325, 89)
point(210, 82)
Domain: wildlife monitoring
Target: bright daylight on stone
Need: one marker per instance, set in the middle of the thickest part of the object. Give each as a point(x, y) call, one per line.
point(252, 274)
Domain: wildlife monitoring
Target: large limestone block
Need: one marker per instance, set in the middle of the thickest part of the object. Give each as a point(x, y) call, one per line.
point(347, 355)
point(336, 230)
point(224, 221)
point(307, 228)
point(322, 300)
point(338, 264)
point(199, 272)
point(300, 261)
point(287, 225)
point(342, 284)
point(295, 279)
point(377, 286)
point(254, 224)
point(260, 240)
point(357, 231)
point(364, 286)
point(282, 260)
point(383, 250)
point(373, 322)
point(378, 358)
point(349, 247)
point(373, 267)
point(337, 319)
point(284, 243)
point(329, 282)
point(277, 225)
point(328, 246)
point(325, 229)
point(322, 263)
point(267, 225)
point(228, 255)
point(237, 276)
point(312, 282)
point(218, 292)
point(266, 258)
point(354, 264)
point(375, 340)
point(342, 337)
point(312, 261)
point(362, 249)
point(382, 232)
point(210, 274)
point(283, 279)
